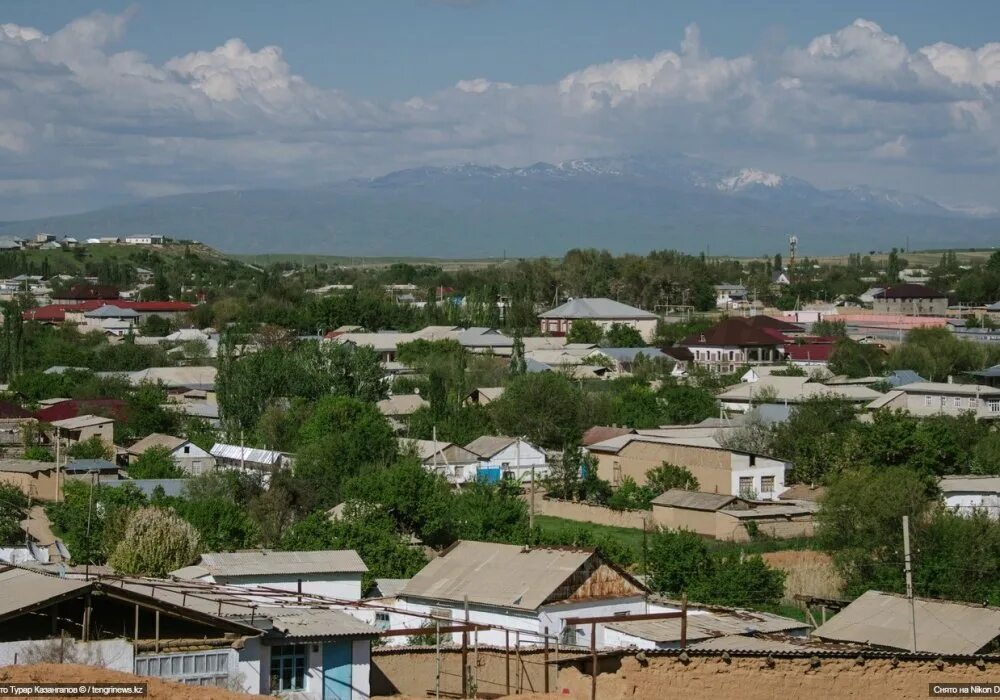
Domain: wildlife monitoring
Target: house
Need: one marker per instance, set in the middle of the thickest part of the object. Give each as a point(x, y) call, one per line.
point(730, 296)
point(186, 455)
point(484, 395)
point(335, 573)
point(622, 360)
point(144, 240)
point(935, 398)
point(37, 480)
point(780, 278)
point(886, 621)
point(485, 341)
point(704, 624)
point(724, 517)
point(176, 380)
point(249, 458)
point(682, 358)
point(603, 312)
point(86, 292)
point(718, 470)
point(989, 376)
point(735, 342)
point(150, 487)
point(81, 428)
point(899, 377)
point(13, 420)
point(968, 493)
point(503, 457)
point(60, 409)
point(910, 300)
point(111, 319)
point(531, 590)
point(455, 463)
point(790, 390)
point(100, 470)
point(191, 633)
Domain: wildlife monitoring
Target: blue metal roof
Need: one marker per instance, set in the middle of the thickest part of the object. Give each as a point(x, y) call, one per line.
point(82, 466)
point(903, 376)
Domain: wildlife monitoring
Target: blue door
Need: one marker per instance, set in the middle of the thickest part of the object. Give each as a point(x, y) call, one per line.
point(337, 670)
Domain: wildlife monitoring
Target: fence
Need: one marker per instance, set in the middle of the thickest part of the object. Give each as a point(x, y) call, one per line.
point(587, 513)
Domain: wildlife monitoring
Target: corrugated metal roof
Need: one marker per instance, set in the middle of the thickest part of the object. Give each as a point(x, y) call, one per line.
point(317, 623)
point(264, 562)
point(629, 354)
point(949, 389)
point(247, 454)
point(502, 575)
point(156, 440)
point(969, 482)
point(693, 500)
point(388, 587)
point(707, 625)
point(943, 627)
point(401, 404)
point(596, 308)
point(488, 445)
point(24, 589)
point(87, 421)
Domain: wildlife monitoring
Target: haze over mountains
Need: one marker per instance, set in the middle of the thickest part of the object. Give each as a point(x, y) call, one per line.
point(626, 204)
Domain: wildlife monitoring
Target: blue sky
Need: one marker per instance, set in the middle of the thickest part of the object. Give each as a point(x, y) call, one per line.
point(110, 101)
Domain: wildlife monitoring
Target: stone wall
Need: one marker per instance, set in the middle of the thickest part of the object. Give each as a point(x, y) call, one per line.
point(752, 678)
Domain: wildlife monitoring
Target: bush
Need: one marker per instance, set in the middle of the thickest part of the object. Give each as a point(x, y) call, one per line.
point(156, 542)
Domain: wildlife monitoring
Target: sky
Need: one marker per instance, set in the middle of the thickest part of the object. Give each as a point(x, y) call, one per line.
point(108, 102)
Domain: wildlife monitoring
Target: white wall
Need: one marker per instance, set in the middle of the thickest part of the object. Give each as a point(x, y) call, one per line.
point(529, 456)
point(966, 502)
point(764, 466)
point(553, 616)
point(361, 669)
point(253, 668)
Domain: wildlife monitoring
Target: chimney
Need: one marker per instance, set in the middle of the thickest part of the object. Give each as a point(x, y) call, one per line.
point(951, 380)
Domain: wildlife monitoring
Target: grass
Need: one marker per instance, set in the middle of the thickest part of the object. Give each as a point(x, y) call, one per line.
point(627, 535)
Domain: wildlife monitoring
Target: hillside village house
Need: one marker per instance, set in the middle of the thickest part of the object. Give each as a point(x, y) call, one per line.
point(910, 300)
point(717, 469)
point(191, 633)
point(742, 397)
point(933, 398)
point(735, 342)
point(146, 239)
point(527, 589)
point(730, 296)
point(186, 455)
point(481, 396)
point(969, 493)
point(455, 463)
point(250, 459)
point(37, 480)
point(503, 457)
point(604, 312)
point(333, 573)
point(725, 517)
point(81, 428)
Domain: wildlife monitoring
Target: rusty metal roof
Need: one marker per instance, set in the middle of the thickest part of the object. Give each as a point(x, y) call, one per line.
point(886, 620)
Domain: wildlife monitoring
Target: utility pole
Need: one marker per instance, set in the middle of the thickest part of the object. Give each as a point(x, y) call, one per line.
point(908, 570)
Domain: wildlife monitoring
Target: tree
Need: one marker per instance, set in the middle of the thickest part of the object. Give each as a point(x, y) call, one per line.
point(670, 476)
point(156, 326)
point(156, 542)
point(544, 406)
point(39, 454)
point(91, 448)
point(13, 505)
point(342, 437)
point(814, 436)
point(491, 513)
point(218, 511)
point(518, 365)
point(630, 496)
point(685, 404)
point(740, 581)
point(676, 559)
point(856, 359)
point(584, 331)
point(101, 511)
point(620, 335)
point(155, 463)
point(638, 407)
point(829, 329)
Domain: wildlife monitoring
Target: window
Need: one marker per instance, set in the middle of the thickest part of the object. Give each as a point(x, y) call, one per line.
point(753, 460)
point(288, 667)
point(767, 484)
point(382, 620)
point(616, 471)
point(201, 668)
point(993, 405)
point(928, 401)
point(746, 486)
point(958, 402)
point(187, 449)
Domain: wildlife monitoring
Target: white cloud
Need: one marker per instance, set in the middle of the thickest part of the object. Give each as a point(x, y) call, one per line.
point(854, 100)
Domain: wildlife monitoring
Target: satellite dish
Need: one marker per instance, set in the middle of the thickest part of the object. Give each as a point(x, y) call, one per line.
point(36, 553)
point(63, 550)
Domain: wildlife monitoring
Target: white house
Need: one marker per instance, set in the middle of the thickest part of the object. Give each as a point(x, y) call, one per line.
point(730, 296)
point(528, 590)
point(507, 458)
point(144, 240)
point(455, 463)
point(333, 573)
point(603, 312)
point(968, 493)
point(934, 398)
point(186, 455)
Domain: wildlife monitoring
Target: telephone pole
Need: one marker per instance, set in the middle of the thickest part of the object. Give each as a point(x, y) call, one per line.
point(908, 570)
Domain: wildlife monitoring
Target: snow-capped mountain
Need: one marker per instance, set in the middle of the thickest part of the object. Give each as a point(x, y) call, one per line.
point(624, 204)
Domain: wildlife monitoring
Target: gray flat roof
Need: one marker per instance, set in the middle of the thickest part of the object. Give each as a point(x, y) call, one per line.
point(264, 562)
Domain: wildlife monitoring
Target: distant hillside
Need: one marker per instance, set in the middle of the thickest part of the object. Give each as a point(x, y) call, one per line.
point(623, 204)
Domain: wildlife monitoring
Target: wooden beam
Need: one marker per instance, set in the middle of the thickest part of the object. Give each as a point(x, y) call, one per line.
point(623, 618)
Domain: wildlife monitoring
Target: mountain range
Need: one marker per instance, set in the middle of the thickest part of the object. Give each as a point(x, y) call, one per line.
point(623, 204)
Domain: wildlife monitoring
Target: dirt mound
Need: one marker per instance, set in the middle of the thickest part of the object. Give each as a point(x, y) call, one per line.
point(74, 673)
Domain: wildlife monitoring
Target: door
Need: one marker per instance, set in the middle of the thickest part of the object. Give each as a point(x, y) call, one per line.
point(337, 670)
